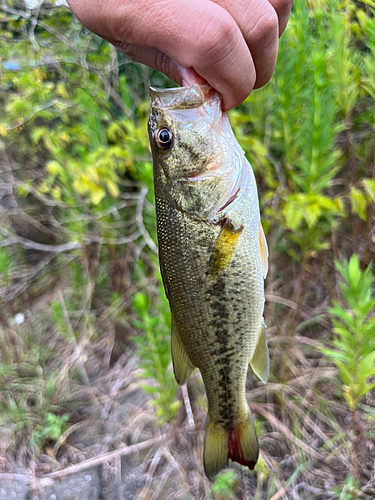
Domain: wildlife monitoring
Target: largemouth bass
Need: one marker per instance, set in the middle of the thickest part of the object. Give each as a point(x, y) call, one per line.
point(213, 258)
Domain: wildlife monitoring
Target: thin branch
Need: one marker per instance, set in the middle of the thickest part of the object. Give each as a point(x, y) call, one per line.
point(294, 306)
point(77, 350)
point(120, 241)
point(47, 201)
point(107, 457)
point(284, 429)
point(161, 484)
point(150, 473)
point(33, 245)
point(49, 104)
point(279, 494)
point(34, 275)
point(189, 412)
point(65, 247)
point(139, 218)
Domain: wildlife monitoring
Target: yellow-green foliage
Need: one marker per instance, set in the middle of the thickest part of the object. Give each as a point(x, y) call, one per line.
point(297, 130)
point(69, 123)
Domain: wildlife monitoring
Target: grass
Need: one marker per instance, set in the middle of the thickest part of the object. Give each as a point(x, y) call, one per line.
point(305, 425)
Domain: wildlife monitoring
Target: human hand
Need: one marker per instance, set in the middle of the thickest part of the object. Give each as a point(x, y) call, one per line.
point(230, 44)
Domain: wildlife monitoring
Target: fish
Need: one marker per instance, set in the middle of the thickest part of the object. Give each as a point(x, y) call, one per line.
point(214, 259)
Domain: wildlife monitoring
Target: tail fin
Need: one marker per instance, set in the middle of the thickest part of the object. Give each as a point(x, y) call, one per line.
point(240, 443)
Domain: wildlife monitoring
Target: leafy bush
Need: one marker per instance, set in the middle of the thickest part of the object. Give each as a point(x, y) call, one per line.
point(353, 349)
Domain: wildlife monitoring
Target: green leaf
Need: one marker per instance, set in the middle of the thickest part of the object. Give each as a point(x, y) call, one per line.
point(359, 202)
point(346, 376)
point(369, 185)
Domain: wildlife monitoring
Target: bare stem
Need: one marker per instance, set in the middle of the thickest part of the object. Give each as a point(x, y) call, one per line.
point(356, 432)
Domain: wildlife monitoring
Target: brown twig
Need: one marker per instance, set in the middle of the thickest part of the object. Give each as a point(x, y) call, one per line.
point(106, 457)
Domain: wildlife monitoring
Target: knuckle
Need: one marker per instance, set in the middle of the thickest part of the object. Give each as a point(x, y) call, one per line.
point(282, 6)
point(162, 63)
point(214, 40)
point(128, 49)
point(124, 33)
point(266, 25)
point(122, 21)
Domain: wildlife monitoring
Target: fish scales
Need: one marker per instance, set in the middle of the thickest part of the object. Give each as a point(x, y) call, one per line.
point(210, 252)
point(194, 296)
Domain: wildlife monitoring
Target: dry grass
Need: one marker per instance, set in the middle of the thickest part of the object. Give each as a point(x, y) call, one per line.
point(305, 427)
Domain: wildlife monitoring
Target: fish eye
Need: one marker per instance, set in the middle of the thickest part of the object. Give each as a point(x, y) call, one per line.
point(163, 138)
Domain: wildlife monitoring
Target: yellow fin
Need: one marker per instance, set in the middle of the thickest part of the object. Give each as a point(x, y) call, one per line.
point(182, 366)
point(263, 250)
point(260, 361)
point(224, 248)
point(239, 443)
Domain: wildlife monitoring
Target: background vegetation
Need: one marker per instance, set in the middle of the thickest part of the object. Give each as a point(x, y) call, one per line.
point(84, 344)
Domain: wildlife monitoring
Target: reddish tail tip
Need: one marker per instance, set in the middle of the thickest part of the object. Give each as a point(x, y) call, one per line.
point(235, 450)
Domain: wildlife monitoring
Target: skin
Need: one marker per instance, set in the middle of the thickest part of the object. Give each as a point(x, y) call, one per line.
point(230, 44)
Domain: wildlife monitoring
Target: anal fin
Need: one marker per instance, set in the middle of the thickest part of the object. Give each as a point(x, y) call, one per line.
point(260, 361)
point(182, 366)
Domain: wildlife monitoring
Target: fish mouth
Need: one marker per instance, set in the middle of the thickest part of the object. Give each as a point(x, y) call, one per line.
point(180, 97)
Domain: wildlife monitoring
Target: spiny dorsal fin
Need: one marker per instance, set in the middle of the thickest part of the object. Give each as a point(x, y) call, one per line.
point(182, 366)
point(260, 361)
point(263, 250)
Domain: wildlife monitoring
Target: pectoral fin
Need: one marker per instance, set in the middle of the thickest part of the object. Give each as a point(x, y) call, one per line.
point(260, 362)
point(224, 248)
point(182, 366)
point(263, 251)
